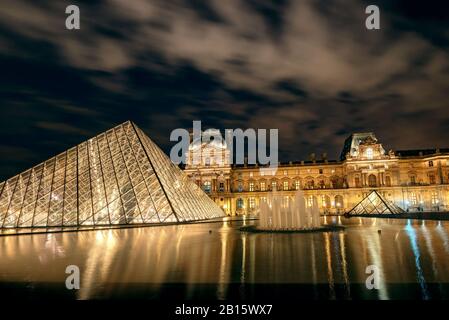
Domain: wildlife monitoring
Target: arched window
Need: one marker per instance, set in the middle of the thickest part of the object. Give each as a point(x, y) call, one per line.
point(357, 182)
point(372, 181)
point(322, 185)
point(310, 184)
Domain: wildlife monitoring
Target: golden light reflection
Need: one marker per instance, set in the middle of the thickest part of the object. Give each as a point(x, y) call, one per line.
point(218, 254)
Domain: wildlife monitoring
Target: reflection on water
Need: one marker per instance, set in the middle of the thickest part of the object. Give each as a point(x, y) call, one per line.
point(217, 260)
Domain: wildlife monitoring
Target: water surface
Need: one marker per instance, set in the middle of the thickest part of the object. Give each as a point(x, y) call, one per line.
point(218, 261)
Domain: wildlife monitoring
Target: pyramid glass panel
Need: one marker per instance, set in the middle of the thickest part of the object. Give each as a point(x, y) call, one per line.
point(118, 177)
point(374, 203)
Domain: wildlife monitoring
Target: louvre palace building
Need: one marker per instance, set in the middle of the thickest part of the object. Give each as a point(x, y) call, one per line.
point(414, 180)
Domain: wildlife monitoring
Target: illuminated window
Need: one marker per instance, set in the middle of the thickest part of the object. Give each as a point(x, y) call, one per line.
point(413, 199)
point(262, 186)
point(251, 186)
point(297, 185)
point(285, 185)
point(285, 172)
point(251, 174)
point(369, 153)
point(310, 201)
point(435, 199)
point(252, 203)
point(323, 201)
point(240, 203)
point(263, 199)
point(273, 185)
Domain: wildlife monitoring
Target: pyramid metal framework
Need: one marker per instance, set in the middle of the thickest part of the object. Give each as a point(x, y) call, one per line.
point(118, 177)
point(374, 203)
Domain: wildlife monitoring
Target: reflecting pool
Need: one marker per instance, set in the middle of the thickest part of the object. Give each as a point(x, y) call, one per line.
point(218, 261)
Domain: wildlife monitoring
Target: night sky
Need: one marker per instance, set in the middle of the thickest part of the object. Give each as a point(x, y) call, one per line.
point(309, 68)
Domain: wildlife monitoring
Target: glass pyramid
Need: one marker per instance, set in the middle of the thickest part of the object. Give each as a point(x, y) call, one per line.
point(374, 203)
point(118, 177)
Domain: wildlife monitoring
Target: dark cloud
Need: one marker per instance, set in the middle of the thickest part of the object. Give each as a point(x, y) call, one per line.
point(308, 68)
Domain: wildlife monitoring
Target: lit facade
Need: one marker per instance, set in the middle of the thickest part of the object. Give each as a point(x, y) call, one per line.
point(414, 180)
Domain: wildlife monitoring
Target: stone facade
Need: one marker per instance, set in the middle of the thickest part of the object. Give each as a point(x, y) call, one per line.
point(415, 180)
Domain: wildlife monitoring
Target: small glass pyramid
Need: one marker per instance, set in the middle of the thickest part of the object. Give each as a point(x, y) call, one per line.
point(374, 203)
point(118, 177)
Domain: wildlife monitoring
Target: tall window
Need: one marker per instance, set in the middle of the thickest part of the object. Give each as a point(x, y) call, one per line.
point(372, 181)
point(369, 153)
point(323, 201)
point(432, 179)
point(435, 199)
point(240, 203)
point(221, 187)
point(240, 187)
point(251, 186)
point(310, 201)
point(388, 181)
point(252, 203)
point(297, 185)
point(285, 185)
point(412, 180)
point(262, 186)
point(413, 199)
point(273, 185)
point(357, 182)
